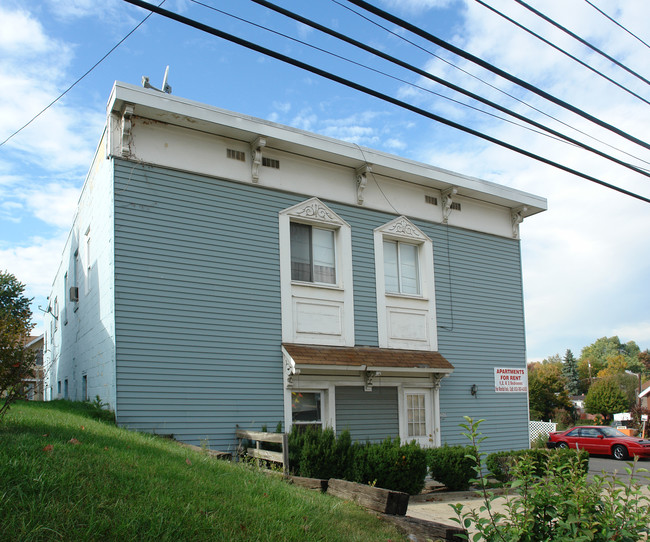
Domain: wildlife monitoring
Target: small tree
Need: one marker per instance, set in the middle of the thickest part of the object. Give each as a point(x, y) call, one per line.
point(570, 372)
point(16, 362)
point(606, 398)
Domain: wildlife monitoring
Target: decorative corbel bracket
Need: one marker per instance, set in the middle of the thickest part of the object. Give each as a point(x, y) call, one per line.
point(361, 175)
point(126, 125)
point(436, 379)
point(517, 216)
point(368, 377)
point(256, 152)
point(447, 200)
point(290, 370)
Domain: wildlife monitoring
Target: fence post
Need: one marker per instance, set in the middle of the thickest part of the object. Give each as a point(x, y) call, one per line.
point(285, 454)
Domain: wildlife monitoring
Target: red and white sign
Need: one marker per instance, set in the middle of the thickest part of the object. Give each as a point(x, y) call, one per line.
point(508, 380)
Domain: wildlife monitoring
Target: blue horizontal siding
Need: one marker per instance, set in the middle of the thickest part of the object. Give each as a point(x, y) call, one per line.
point(368, 415)
point(197, 295)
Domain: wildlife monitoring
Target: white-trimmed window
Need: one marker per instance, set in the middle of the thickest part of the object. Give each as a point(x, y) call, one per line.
point(313, 254)
point(316, 275)
point(307, 408)
point(406, 309)
point(401, 268)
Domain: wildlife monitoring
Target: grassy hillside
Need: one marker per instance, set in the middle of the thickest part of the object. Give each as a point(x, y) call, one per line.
point(66, 475)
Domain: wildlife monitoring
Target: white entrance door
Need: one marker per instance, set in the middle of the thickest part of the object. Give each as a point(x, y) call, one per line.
point(418, 417)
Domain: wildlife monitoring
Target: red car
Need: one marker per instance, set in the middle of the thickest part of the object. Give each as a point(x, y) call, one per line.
point(600, 440)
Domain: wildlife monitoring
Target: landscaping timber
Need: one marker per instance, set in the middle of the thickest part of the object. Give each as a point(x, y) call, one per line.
point(309, 483)
point(378, 499)
point(422, 529)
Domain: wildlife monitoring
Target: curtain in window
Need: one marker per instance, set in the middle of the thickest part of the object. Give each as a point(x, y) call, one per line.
point(323, 254)
point(301, 252)
point(391, 274)
point(409, 268)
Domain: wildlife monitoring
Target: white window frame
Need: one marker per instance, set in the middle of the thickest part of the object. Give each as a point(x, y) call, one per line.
point(314, 312)
point(400, 275)
point(391, 306)
point(313, 227)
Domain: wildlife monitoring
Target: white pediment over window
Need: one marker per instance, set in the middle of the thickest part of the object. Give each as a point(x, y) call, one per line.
point(314, 211)
point(403, 228)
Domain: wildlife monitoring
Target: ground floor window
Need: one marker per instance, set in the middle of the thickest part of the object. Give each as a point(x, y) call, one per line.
point(306, 408)
point(416, 415)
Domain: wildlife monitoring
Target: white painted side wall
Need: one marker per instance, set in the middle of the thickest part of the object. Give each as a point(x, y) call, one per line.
point(190, 150)
point(84, 344)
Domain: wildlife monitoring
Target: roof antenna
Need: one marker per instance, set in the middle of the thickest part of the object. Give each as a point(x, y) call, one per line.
point(166, 88)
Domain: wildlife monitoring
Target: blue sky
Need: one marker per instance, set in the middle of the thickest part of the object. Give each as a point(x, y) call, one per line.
point(586, 261)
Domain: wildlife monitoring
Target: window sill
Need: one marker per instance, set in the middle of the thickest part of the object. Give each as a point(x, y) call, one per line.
point(406, 296)
point(320, 285)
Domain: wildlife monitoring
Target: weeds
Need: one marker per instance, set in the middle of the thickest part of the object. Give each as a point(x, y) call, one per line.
point(558, 505)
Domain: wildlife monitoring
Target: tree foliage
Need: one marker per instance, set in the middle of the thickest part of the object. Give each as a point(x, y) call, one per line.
point(570, 373)
point(16, 362)
point(605, 397)
point(546, 389)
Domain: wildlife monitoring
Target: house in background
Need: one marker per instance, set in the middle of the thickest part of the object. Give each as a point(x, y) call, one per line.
point(33, 383)
point(224, 270)
point(644, 393)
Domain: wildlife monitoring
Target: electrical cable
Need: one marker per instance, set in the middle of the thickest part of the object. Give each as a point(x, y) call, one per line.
point(80, 78)
point(385, 56)
point(566, 53)
point(583, 41)
point(487, 83)
point(486, 65)
point(356, 86)
point(617, 23)
point(560, 137)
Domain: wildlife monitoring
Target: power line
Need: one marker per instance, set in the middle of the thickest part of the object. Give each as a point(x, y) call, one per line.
point(617, 23)
point(487, 83)
point(472, 58)
point(583, 41)
point(410, 67)
point(80, 78)
point(356, 86)
point(572, 57)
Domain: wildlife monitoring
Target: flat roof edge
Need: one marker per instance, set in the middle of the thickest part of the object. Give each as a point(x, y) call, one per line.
point(183, 112)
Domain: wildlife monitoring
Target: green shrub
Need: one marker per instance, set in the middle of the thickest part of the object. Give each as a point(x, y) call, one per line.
point(502, 464)
point(560, 504)
point(317, 453)
point(450, 466)
point(391, 465)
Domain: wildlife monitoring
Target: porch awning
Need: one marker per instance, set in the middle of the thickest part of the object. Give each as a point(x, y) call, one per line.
point(366, 358)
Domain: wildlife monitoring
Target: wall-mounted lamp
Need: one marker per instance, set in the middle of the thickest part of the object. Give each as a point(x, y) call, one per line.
point(474, 390)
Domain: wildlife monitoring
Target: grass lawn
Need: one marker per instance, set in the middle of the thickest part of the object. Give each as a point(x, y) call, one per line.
point(66, 475)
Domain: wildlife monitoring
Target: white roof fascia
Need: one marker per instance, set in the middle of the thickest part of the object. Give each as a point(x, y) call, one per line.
point(162, 107)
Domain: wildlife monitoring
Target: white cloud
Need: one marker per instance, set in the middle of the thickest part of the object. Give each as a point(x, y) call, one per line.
point(53, 203)
point(20, 34)
point(585, 260)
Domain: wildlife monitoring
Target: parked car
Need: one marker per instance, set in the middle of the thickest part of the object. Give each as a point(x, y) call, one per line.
point(600, 440)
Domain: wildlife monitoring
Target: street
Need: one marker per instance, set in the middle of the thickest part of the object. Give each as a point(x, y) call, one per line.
point(600, 463)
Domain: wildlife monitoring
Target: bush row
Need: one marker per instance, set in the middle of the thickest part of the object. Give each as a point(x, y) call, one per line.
point(389, 464)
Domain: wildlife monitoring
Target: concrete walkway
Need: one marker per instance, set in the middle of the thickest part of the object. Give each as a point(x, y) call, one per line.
point(435, 506)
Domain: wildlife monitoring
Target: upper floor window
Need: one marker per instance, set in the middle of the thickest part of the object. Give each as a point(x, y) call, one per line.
point(313, 254)
point(401, 268)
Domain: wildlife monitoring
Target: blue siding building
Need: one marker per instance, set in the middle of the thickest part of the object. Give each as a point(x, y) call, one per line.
point(224, 270)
